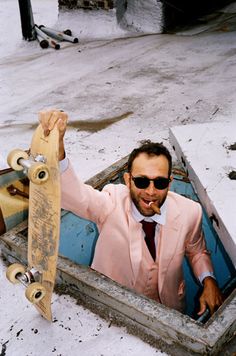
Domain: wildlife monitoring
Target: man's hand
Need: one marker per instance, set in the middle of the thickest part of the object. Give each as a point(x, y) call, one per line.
point(211, 296)
point(51, 118)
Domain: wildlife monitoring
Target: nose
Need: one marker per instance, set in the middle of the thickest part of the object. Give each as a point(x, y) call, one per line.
point(151, 188)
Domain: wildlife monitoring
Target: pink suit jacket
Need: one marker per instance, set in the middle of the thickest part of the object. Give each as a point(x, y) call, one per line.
point(121, 252)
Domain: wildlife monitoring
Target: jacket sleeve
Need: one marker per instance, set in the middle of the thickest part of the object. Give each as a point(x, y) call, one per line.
point(195, 246)
point(82, 199)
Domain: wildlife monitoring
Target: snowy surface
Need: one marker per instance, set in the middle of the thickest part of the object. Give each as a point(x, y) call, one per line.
point(136, 88)
point(118, 89)
point(143, 16)
point(74, 331)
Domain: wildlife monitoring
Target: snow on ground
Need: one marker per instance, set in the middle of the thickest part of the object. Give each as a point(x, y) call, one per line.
point(137, 87)
point(74, 331)
point(118, 89)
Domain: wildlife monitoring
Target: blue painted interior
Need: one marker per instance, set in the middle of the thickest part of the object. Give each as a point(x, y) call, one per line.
point(79, 236)
point(223, 267)
point(6, 179)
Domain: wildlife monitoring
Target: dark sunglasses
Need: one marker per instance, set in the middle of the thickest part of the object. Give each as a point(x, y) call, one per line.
point(143, 182)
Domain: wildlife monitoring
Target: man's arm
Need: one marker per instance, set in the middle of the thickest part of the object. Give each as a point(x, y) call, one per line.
point(201, 264)
point(77, 197)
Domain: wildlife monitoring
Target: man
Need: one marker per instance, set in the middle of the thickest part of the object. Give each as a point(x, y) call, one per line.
point(123, 251)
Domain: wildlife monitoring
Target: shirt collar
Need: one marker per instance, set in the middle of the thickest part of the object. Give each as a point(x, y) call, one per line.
point(160, 219)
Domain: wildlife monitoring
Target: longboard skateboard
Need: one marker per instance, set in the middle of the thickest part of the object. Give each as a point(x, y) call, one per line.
point(42, 169)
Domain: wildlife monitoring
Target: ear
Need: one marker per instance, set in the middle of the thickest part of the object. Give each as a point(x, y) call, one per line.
point(126, 177)
point(171, 180)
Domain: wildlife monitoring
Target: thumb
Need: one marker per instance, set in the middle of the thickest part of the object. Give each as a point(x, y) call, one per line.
point(62, 123)
point(203, 307)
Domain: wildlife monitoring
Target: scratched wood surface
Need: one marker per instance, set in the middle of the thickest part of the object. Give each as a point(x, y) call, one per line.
point(44, 217)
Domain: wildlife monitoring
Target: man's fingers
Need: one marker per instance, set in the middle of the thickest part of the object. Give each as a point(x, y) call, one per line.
point(217, 304)
point(212, 307)
point(50, 118)
point(202, 310)
point(45, 117)
point(203, 307)
point(53, 119)
point(62, 121)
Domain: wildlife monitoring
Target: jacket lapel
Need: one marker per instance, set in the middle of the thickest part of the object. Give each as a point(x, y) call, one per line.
point(135, 242)
point(168, 240)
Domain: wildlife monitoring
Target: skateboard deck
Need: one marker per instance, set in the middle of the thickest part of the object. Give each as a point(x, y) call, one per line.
point(43, 219)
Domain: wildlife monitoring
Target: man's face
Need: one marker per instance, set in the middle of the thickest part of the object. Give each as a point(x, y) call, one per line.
point(150, 167)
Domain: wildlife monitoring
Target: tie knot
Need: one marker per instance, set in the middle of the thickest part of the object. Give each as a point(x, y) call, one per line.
point(149, 228)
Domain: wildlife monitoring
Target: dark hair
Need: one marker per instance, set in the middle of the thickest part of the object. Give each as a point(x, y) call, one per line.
point(151, 149)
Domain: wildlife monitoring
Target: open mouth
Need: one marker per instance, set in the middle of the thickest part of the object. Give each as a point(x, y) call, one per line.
point(151, 206)
point(147, 203)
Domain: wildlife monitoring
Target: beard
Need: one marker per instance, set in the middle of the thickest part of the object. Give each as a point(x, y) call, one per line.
point(143, 207)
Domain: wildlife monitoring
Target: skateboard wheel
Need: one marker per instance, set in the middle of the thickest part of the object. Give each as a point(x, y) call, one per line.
point(35, 292)
point(13, 271)
point(38, 173)
point(14, 157)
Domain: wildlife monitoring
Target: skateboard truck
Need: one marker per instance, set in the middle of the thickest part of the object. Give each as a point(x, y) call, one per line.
point(35, 167)
point(28, 277)
point(35, 291)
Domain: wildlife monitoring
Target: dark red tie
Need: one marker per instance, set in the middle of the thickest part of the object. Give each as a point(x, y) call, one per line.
point(149, 229)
